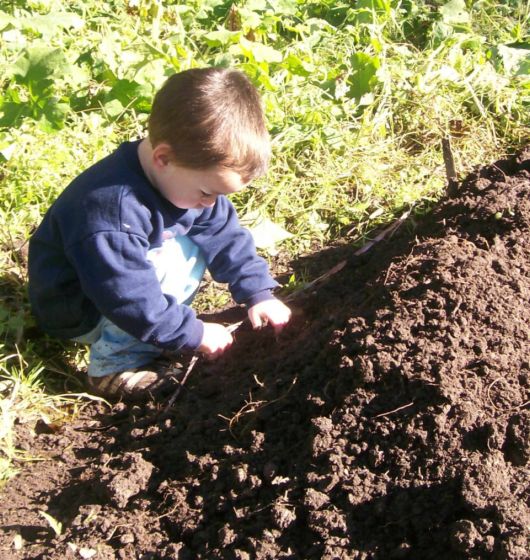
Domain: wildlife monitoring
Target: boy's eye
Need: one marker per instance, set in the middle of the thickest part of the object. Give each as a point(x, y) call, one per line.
point(205, 194)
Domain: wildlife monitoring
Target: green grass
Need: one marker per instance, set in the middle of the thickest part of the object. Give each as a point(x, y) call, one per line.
point(358, 96)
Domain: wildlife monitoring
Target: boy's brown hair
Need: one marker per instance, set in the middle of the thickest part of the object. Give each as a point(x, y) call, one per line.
point(212, 117)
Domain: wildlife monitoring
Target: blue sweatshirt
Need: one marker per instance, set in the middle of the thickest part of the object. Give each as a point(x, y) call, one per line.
point(88, 257)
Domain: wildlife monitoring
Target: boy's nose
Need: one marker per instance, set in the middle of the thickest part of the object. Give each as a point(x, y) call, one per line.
point(209, 203)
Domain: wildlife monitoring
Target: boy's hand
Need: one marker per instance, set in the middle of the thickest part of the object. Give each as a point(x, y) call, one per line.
point(215, 340)
point(271, 311)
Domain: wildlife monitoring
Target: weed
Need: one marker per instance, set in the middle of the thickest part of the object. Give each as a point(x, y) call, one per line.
point(57, 526)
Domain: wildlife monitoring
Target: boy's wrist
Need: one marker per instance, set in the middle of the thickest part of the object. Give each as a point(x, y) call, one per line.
point(196, 335)
point(264, 295)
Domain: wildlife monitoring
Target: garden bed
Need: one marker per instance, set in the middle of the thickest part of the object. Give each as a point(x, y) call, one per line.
point(390, 420)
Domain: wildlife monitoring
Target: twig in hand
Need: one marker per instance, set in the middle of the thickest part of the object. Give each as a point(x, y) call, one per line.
point(174, 396)
point(193, 361)
point(234, 326)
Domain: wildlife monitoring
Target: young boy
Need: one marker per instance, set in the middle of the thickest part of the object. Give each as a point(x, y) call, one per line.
point(120, 255)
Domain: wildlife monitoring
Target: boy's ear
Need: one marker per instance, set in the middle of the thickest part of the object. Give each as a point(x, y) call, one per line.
point(161, 155)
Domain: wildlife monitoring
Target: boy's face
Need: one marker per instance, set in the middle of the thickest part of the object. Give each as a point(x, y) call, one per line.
point(185, 187)
point(195, 188)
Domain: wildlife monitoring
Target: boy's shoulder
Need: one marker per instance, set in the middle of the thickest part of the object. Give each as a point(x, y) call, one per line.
point(112, 192)
point(121, 168)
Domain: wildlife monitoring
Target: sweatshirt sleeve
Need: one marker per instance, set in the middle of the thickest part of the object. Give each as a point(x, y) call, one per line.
point(124, 287)
point(230, 254)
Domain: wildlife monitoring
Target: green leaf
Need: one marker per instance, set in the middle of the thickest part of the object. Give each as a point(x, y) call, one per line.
point(130, 94)
point(12, 113)
point(524, 68)
point(113, 108)
point(368, 10)
point(514, 60)
point(258, 5)
point(284, 7)
point(265, 233)
point(250, 19)
point(54, 112)
point(454, 12)
point(48, 24)
point(5, 20)
point(221, 37)
point(363, 75)
point(36, 70)
point(259, 52)
point(7, 148)
point(152, 73)
point(40, 63)
point(297, 66)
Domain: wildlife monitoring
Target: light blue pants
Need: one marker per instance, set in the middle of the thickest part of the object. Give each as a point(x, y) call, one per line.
point(180, 268)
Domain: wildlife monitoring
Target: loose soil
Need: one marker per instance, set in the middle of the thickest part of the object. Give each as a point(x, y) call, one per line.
point(391, 420)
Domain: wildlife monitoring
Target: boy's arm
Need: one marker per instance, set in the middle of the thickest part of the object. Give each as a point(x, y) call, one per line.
point(117, 277)
point(230, 254)
point(231, 257)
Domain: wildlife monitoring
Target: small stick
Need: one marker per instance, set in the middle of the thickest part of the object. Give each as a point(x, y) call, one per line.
point(450, 169)
point(390, 230)
point(388, 273)
point(395, 410)
point(337, 268)
point(191, 365)
point(174, 396)
point(234, 326)
point(449, 160)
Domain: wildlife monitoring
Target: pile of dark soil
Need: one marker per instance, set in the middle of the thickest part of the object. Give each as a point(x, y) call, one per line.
point(391, 420)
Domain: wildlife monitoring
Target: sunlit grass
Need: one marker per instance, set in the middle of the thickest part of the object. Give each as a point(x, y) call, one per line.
point(25, 400)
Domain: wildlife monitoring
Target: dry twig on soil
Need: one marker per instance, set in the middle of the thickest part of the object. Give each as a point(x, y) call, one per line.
point(395, 410)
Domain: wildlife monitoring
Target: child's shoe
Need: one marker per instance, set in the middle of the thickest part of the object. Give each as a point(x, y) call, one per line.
point(137, 384)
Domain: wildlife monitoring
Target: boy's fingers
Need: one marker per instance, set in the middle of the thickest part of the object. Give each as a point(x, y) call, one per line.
point(255, 320)
point(277, 315)
point(279, 326)
point(214, 355)
point(281, 319)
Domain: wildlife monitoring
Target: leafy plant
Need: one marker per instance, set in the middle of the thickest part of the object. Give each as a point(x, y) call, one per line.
point(33, 92)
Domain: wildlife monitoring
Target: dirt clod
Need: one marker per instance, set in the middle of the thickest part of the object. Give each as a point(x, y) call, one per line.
point(133, 477)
